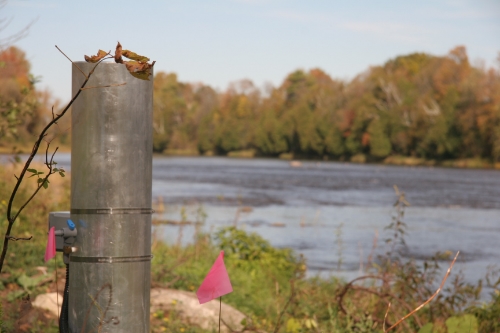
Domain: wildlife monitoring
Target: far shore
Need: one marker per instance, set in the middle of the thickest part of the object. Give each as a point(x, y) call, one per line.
point(465, 163)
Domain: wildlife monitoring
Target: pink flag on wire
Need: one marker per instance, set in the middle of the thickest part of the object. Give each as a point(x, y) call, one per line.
point(50, 250)
point(216, 283)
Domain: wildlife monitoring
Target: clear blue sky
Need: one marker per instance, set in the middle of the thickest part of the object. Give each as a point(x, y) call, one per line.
point(220, 41)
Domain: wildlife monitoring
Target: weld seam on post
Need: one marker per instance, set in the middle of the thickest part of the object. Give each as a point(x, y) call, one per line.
point(110, 260)
point(111, 211)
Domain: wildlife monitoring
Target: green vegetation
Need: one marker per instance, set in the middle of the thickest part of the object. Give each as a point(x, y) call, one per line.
point(269, 283)
point(25, 272)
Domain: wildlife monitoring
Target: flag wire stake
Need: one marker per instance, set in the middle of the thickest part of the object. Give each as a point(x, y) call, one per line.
point(220, 310)
point(57, 289)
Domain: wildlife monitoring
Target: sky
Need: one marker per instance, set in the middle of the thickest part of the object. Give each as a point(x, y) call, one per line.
point(217, 42)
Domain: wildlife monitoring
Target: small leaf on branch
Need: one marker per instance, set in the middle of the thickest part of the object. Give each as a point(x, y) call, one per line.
point(118, 54)
point(61, 174)
point(95, 58)
point(32, 170)
point(140, 70)
point(134, 56)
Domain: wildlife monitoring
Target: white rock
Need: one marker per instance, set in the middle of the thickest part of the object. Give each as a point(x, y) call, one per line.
point(205, 315)
point(185, 303)
point(49, 302)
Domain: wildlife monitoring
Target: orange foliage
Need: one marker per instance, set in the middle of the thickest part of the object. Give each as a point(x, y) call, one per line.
point(14, 66)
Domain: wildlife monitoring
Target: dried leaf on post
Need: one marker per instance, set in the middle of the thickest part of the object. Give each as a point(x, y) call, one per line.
point(118, 53)
point(140, 70)
point(134, 56)
point(95, 58)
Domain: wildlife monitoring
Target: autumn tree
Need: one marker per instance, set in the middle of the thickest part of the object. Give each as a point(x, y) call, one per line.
point(434, 107)
point(18, 100)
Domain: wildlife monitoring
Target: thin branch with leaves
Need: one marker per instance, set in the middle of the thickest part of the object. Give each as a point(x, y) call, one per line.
point(138, 67)
point(42, 181)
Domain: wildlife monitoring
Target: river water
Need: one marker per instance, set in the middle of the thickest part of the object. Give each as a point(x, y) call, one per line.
point(333, 213)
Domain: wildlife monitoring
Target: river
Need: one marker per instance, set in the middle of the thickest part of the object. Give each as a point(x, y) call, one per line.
point(333, 213)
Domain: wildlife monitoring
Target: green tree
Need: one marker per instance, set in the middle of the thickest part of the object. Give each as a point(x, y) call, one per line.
point(270, 136)
point(380, 145)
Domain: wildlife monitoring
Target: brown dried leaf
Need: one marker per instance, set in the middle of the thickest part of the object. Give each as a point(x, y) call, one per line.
point(140, 70)
point(118, 53)
point(95, 58)
point(134, 56)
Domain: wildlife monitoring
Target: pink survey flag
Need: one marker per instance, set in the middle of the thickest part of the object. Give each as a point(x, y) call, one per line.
point(216, 283)
point(50, 250)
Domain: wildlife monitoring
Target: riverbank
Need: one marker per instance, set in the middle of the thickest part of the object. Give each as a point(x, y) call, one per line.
point(270, 284)
point(467, 163)
point(26, 149)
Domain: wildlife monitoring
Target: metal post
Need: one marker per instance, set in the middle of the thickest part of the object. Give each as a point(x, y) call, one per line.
point(111, 175)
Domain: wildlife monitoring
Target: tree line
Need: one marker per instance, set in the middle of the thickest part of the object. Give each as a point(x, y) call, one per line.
point(433, 107)
point(418, 105)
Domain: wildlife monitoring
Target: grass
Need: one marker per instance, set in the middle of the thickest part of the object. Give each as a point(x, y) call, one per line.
point(269, 284)
point(270, 287)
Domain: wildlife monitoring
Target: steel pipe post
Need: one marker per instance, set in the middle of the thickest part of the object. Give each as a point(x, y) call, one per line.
point(111, 175)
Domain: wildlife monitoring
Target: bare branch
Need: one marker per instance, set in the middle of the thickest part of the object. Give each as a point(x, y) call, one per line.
point(71, 61)
point(343, 292)
point(15, 239)
point(385, 317)
point(47, 154)
point(52, 158)
point(384, 295)
point(50, 163)
point(4, 23)
point(428, 300)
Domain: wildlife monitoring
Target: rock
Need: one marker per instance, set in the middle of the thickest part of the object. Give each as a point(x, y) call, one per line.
point(185, 303)
point(48, 302)
point(205, 315)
